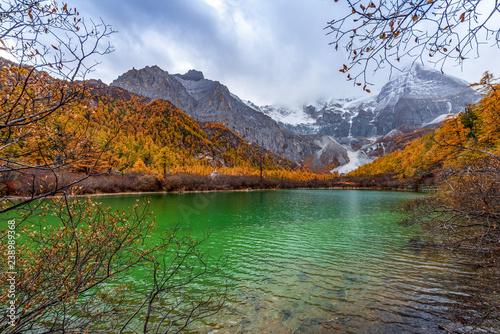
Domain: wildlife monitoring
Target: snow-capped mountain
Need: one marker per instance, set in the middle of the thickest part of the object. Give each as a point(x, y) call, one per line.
point(421, 97)
point(412, 100)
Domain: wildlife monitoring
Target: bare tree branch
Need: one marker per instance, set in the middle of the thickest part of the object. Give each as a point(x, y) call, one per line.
point(390, 32)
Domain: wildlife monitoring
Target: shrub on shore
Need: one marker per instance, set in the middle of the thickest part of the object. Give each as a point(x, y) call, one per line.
point(24, 184)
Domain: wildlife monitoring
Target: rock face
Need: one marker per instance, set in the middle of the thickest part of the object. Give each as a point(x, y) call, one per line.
point(330, 156)
point(411, 100)
point(395, 140)
point(417, 98)
point(153, 82)
point(210, 101)
point(192, 75)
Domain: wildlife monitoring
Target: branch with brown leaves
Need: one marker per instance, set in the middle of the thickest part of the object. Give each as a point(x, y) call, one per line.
point(376, 34)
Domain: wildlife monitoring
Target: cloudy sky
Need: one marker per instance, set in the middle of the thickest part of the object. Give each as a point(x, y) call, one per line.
point(266, 51)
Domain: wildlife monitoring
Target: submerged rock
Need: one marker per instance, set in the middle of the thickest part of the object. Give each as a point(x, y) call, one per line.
point(303, 276)
point(286, 314)
point(245, 323)
point(350, 277)
point(307, 323)
point(332, 308)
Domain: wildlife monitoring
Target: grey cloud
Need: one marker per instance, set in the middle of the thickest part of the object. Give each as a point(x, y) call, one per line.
point(267, 51)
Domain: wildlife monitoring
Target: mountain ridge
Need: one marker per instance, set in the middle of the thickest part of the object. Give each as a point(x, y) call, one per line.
point(406, 103)
point(411, 100)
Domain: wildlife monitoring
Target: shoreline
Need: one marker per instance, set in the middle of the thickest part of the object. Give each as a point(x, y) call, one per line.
point(214, 191)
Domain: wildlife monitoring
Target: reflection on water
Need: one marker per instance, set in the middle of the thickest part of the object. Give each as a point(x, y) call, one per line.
point(318, 261)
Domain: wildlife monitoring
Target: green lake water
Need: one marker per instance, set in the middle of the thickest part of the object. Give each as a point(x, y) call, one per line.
point(316, 261)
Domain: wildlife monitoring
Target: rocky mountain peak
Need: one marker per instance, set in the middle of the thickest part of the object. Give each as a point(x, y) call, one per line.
point(192, 75)
point(153, 82)
point(411, 100)
point(420, 83)
point(146, 71)
point(417, 98)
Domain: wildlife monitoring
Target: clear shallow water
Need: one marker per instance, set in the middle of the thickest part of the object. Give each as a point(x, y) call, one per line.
point(317, 261)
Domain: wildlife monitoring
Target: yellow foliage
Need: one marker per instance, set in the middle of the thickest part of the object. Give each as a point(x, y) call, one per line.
point(111, 129)
point(139, 166)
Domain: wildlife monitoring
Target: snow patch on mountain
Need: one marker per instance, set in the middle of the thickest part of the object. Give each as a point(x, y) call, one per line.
point(356, 103)
point(250, 104)
point(440, 119)
point(356, 159)
point(288, 115)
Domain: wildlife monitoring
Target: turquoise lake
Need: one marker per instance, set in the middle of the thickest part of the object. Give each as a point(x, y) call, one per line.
point(316, 261)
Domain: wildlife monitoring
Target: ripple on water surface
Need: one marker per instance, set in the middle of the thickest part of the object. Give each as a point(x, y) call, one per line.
point(318, 261)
